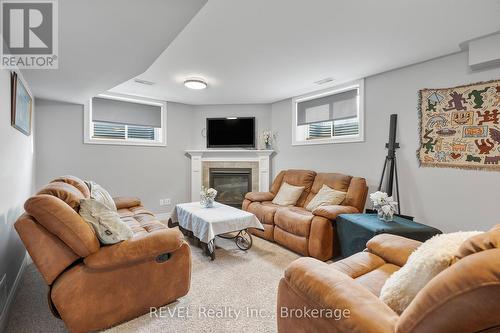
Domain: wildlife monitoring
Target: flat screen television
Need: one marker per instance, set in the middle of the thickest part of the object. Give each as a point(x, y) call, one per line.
point(231, 132)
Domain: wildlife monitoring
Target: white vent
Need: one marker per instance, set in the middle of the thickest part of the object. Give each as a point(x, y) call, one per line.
point(145, 82)
point(323, 81)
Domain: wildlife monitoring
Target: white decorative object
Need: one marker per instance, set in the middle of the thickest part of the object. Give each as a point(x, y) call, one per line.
point(384, 204)
point(108, 226)
point(432, 257)
point(267, 138)
point(207, 197)
point(100, 194)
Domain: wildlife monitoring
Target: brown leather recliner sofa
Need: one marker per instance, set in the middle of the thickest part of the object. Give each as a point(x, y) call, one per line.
point(308, 233)
point(92, 287)
point(463, 298)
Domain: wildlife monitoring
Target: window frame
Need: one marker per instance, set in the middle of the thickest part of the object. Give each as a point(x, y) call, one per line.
point(360, 137)
point(89, 128)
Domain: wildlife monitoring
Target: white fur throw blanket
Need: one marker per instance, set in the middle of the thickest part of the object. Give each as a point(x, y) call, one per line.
point(432, 257)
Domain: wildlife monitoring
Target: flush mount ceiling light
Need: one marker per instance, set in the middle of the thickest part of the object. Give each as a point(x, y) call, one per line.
point(195, 83)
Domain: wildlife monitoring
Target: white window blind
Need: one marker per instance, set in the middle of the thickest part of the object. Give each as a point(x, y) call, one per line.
point(330, 129)
point(345, 127)
point(109, 130)
point(107, 110)
point(140, 132)
point(320, 130)
point(105, 130)
point(342, 105)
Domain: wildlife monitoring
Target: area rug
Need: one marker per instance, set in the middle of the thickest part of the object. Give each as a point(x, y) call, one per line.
point(459, 126)
point(235, 293)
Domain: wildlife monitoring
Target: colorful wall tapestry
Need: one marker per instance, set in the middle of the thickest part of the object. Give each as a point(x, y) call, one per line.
point(459, 127)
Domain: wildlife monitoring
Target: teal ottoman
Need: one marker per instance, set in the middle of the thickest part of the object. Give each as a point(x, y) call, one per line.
point(354, 230)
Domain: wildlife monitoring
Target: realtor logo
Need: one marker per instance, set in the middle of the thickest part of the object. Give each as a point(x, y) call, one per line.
point(29, 34)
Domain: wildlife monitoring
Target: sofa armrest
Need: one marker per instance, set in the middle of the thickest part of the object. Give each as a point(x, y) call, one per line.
point(324, 287)
point(392, 248)
point(126, 202)
point(259, 196)
point(332, 211)
point(131, 251)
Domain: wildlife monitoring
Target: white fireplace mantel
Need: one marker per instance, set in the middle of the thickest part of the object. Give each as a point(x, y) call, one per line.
point(263, 157)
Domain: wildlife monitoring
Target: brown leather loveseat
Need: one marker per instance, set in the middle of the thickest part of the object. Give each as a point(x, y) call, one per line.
point(464, 298)
point(92, 287)
point(308, 233)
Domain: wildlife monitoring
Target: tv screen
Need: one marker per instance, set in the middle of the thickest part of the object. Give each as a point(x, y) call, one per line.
point(230, 132)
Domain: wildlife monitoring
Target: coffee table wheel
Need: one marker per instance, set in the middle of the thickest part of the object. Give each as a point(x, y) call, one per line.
point(244, 240)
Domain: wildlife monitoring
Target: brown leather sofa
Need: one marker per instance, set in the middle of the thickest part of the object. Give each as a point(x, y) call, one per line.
point(92, 287)
point(308, 233)
point(463, 298)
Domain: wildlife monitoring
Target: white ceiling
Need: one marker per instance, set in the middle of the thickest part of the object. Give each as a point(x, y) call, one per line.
point(105, 42)
point(261, 51)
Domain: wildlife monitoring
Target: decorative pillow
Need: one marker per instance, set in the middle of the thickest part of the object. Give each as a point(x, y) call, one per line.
point(326, 196)
point(100, 194)
point(432, 257)
point(288, 194)
point(108, 226)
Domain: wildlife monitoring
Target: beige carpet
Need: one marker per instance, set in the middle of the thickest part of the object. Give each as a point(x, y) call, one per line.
point(237, 281)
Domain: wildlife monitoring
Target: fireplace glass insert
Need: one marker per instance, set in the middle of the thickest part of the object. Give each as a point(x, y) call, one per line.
point(231, 184)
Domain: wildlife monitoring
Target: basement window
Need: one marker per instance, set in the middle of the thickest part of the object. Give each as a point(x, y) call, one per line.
point(125, 120)
point(329, 116)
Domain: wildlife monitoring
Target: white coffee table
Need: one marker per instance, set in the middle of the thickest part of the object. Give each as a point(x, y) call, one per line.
point(207, 223)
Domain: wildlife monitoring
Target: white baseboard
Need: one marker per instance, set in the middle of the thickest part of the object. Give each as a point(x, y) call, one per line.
point(5, 314)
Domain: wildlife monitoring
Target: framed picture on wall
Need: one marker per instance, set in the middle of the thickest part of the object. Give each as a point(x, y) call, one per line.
point(21, 105)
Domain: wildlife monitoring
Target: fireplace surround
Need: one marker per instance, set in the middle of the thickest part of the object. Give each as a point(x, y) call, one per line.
point(259, 161)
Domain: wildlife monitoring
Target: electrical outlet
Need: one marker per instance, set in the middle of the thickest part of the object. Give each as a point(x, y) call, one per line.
point(165, 202)
point(3, 294)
